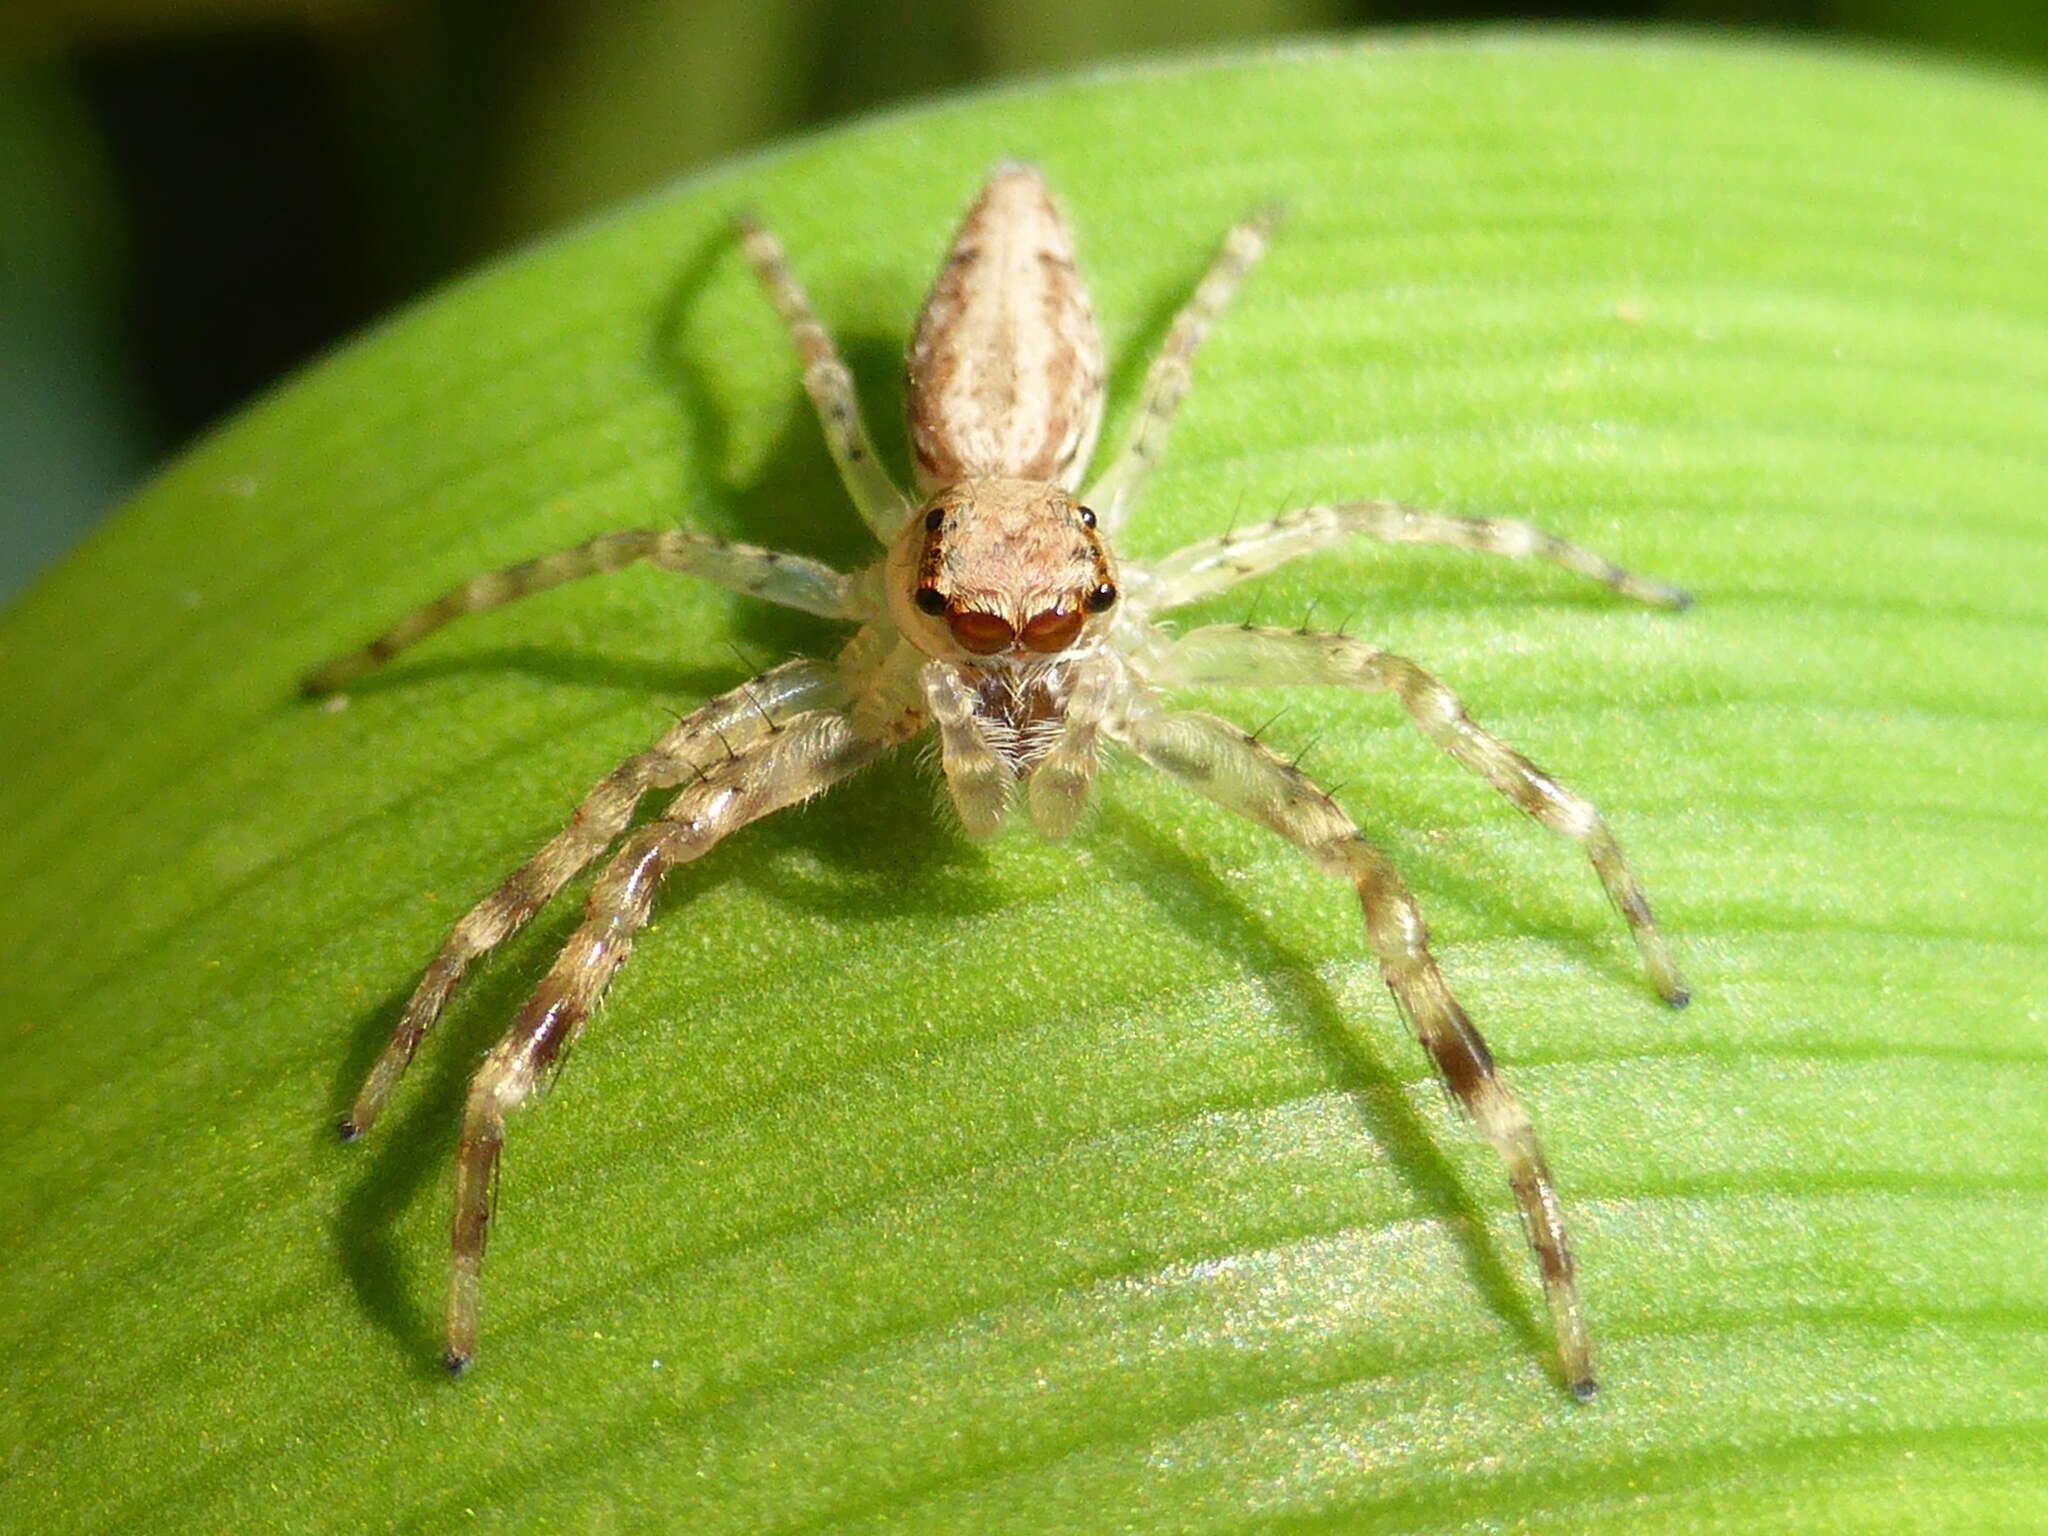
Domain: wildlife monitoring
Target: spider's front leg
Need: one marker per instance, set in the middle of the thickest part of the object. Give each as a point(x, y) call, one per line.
point(798, 758)
point(1229, 654)
point(1217, 759)
point(730, 724)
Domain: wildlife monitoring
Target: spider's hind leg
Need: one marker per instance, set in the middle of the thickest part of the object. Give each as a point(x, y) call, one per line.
point(829, 383)
point(1173, 370)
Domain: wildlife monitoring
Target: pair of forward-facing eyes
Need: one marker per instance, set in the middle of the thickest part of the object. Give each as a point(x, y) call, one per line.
point(1047, 632)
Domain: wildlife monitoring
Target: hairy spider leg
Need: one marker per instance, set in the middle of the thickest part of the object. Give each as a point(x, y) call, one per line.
point(1234, 655)
point(799, 757)
point(828, 381)
point(1217, 759)
point(699, 744)
point(1118, 488)
point(794, 581)
point(1213, 565)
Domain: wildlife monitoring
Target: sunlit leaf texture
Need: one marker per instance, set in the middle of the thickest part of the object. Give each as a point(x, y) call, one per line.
point(915, 1185)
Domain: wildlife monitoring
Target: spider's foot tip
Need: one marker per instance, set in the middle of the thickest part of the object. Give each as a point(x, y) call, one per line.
point(347, 1129)
point(456, 1362)
point(1678, 997)
point(1585, 1389)
point(1680, 600)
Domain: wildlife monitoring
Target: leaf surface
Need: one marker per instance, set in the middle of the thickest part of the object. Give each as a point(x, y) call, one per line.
point(1092, 1187)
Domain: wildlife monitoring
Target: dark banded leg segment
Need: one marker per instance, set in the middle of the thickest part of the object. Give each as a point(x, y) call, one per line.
point(1215, 564)
point(1217, 759)
point(1227, 654)
point(800, 757)
point(829, 384)
point(794, 581)
point(699, 745)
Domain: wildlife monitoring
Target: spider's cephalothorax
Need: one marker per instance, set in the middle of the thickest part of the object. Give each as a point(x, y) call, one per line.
point(999, 618)
point(1010, 588)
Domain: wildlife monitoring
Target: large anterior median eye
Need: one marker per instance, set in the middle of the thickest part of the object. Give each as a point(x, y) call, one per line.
point(1054, 629)
point(981, 633)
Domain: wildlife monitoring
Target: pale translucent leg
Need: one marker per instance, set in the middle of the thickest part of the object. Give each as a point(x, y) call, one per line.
point(1241, 654)
point(830, 385)
point(1215, 564)
point(1217, 759)
point(802, 756)
point(1166, 382)
point(791, 580)
point(728, 727)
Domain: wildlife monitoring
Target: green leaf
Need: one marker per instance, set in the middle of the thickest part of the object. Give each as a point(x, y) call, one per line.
point(907, 1183)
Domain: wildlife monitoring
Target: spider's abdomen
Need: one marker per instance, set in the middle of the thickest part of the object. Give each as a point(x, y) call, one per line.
point(1005, 371)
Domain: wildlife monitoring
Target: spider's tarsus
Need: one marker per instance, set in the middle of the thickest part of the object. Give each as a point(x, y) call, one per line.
point(1585, 1389)
point(456, 1361)
point(348, 1129)
point(1678, 999)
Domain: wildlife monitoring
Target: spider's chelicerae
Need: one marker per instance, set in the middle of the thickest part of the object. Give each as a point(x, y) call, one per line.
point(1001, 618)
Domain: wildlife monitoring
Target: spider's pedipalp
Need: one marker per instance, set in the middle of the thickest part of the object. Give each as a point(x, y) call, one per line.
point(1217, 759)
point(705, 739)
point(979, 777)
point(1225, 655)
point(1058, 787)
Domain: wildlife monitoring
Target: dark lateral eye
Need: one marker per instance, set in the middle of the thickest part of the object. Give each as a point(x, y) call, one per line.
point(1101, 599)
point(933, 519)
point(929, 600)
point(1087, 517)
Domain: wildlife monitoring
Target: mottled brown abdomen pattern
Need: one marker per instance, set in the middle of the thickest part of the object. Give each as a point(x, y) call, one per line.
point(1005, 372)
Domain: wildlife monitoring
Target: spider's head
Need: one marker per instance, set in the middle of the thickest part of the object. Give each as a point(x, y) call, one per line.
point(1002, 570)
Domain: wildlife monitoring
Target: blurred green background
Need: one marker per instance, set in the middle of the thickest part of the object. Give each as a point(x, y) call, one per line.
point(198, 195)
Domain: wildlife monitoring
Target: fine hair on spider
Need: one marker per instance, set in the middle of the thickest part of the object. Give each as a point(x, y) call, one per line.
point(1000, 619)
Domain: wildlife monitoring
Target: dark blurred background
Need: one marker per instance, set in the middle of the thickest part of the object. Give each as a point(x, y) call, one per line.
point(197, 195)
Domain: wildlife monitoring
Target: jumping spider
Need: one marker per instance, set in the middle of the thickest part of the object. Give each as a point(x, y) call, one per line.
point(1001, 618)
